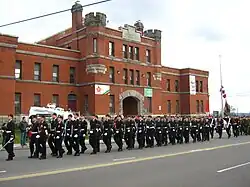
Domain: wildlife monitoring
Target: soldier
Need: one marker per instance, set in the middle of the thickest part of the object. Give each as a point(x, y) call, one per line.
point(51, 138)
point(172, 131)
point(150, 124)
point(75, 134)
point(107, 132)
point(212, 122)
point(43, 133)
point(200, 129)
point(59, 130)
point(118, 129)
point(68, 134)
point(83, 134)
point(165, 129)
point(180, 126)
point(133, 130)
point(186, 126)
point(219, 127)
point(34, 153)
point(235, 127)
point(93, 134)
point(228, 126)
point(194, 129)
point(140, 132)
point(9, 130)
point(158, 131)
point(129, 133)
point(207, 130)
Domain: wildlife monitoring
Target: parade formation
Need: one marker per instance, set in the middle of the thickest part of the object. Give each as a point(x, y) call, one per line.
point(147, 131)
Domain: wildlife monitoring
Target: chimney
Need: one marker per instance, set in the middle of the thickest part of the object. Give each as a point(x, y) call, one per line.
point(76, 11)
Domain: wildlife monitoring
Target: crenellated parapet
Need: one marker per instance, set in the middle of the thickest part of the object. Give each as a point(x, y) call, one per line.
point(97, 19)
point(153, 33)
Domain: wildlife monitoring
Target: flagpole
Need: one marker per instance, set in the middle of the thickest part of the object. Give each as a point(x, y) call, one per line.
point(222, 104)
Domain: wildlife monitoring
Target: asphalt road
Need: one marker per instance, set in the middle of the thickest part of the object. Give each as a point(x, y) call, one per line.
point(217, 163)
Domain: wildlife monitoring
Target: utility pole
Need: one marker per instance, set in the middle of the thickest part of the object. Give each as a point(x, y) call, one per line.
point(222, 103)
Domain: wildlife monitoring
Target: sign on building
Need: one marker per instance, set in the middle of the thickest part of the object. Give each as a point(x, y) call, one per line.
point(148, 92)
point(102, 89)
point(129, 33)
point(192, 85)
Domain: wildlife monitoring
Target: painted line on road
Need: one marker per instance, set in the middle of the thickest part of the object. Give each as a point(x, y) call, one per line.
point(55, 172)
point(3, 171)
point(233, 167)
point(121, 159)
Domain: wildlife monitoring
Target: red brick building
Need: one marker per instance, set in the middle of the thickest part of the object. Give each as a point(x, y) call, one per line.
point(95, 69)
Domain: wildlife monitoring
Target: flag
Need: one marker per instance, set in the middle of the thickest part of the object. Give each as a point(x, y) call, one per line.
point(223, 92)
point(227, 109)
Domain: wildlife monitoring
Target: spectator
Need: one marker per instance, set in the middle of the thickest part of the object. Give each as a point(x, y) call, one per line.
point(23, 126)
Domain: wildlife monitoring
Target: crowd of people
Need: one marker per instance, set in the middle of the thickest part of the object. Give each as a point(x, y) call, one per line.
point(146, 131)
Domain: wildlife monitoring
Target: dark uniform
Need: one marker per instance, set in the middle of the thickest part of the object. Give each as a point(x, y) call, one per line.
point(43, 133)
point(59, 130)
point(107, 133)
point(180, 128)
point(206, 130)
point(150, 125)
point(172, 132)
point(129, 133)
point(158, 132)
point(34, 139)
point(83, 134)
point(68, 135)
point(51, 138)
point(93, 134)
point(165, 130)
point(75, 136)
point(219, 127)
point(194, 130)
point(118, 129)
point(186, 126)
point(9, 130)
point(140, 132)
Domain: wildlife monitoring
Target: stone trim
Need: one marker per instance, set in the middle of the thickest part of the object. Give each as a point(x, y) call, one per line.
point(46, 55)
point(7, 77)
point(184, 74)
point(8, 45)
point(198, 93)
point(135, 94)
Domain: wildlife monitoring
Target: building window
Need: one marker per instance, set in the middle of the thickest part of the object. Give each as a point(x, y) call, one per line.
point(168, 85)
point(125, 75)
point(169, 107)
point(86, 104)
point(130, 51)
point(148, 56)
point(197, 106)
point(55, 74)
point(177, 108)
point(55, 99)
point(148, 79)
point(72, 75)
point(176, 86)
point(37, 99)
point(131, 76)
point(18, 102)
point(125, 51)
point(137, 55)
point(197, 86)
point(37, 72)
point(201, 86)
point(112, 74)
point(111, 49)
point(149, 104)
point(94, 45)
point(202, 107)
point(111, 104)
point(18, 69)
point(137, 77)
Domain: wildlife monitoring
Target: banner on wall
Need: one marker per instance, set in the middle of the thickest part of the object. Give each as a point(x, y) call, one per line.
point(192, 85)
point(102, 89)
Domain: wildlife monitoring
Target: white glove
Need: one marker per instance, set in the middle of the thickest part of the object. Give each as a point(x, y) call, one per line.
point(37, 136)
point(57, 137)
point(76, 136)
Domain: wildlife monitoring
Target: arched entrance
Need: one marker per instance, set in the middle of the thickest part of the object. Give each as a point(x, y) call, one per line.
point(130, 106)
point(72, 102)
point(131, 103)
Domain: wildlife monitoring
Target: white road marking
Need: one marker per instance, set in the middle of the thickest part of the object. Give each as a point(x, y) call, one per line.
point(120, 159)
point(233, 167)
point(3, 171)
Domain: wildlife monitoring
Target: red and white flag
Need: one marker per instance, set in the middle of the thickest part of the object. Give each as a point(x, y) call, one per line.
point(223, 92)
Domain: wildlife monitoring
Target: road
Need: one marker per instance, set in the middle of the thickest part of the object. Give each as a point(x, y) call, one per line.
point(217, 163)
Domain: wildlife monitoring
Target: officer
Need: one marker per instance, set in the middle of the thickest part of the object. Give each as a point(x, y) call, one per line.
point(158, 131)
point(83, 133)
point(150, 133)
point(51, 138)
point(165, 130)
point(75, 134)
point(140, 132)
point(172, 131)
point(186, 129)
point(59, 130)
point(34, 143)
point(194, 129)
point(43, 133)
point(107, 132)
point(235, 127)
point(118, 129)
point(129, 133)
point(9, 130)
point(68, 134)
point(93, 134)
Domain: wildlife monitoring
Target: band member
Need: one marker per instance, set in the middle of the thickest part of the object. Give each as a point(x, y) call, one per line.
point(83, 134)
point(9, 130)
point(51, 138)
point(43, 133)
point(34, 153)
point(59, 130)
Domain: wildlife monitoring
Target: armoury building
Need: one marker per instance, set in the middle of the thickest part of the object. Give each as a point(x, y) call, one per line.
point(97, 70)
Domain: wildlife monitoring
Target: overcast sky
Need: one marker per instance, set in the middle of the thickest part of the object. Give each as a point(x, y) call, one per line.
point(195, 32)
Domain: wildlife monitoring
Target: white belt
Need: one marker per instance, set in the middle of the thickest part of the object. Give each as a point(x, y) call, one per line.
point(34, 132)
point(58, 131)
point(75, 129)
point(8, 132)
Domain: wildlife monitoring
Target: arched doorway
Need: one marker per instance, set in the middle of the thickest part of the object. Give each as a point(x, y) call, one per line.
point(72, 102)
point(130, 106)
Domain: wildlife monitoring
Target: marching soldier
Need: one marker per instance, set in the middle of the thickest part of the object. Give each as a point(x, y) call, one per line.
point(235, 127)
point(59, 130)
point(158, 132)
point(206, 130)
point(129, 133)
point(150, 124)
point(186, 130)
point(228, 126)
point(75, 134)
point(51, 138)
point(118, 129)
point(68, 134)
point(43, 133)
point(180, 127)
point(34, 143)
point(212, 122)
point(9, 130)
point(107, 133)
point(83, 134)
point(219, 127)
point(172, 131)
point(140, 132)
point(165, 130)
point(93, 134)
point(194, 130)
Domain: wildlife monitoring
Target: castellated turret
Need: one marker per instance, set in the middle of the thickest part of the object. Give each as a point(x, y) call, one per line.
point(154, 34)
point(97, 19)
